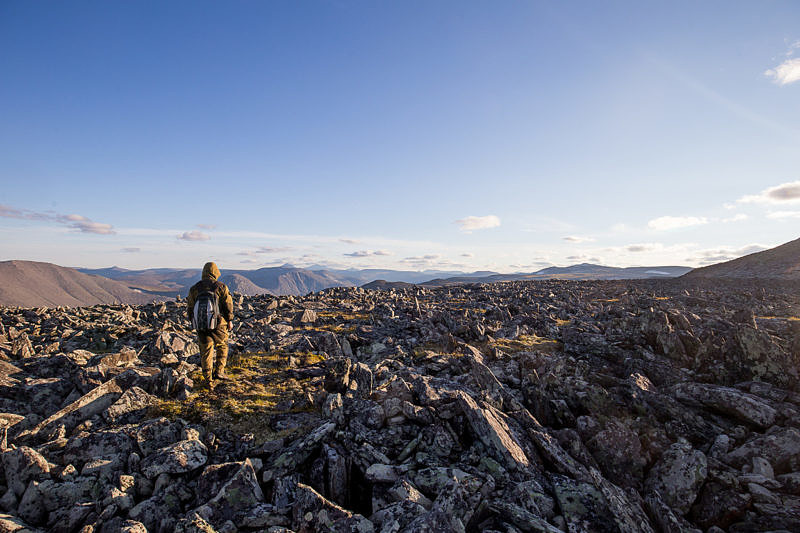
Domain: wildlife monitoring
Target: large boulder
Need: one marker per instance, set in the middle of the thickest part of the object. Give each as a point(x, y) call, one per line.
point(130, 407)
point(762, 359)
point(235, 499)
point(179, 458)
point(23, 465)
point(618, 452)
point(312, 513)
point(678, 476)
point(728, 401)
point(492, 428)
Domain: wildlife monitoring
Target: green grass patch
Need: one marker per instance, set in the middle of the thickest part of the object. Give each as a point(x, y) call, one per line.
point(260, 387)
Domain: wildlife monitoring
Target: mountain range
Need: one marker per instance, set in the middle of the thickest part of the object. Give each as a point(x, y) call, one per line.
point(34, 284)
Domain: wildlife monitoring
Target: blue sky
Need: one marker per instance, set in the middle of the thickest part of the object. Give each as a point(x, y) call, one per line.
point(450, 135)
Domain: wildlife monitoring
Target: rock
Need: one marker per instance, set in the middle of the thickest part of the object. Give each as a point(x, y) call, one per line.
point(157, 433)
point(583, 506)
point(178, 458)
point(106, 444)
point(131, 406)
point(337, 380)
point(194, 523)
point(31, 507)
point(763, 359)
point(45, 395)
point(678, 476)
point(762, 467)
point(452, 510)
point(89, 405)
point(23, 465)
point(618, 451)
point(781, 449)
point(236, 499)
point(298, 453)
point(491, 427)
point(360, 383)
point(403, 490)
point(525, 521)
point(379, 473)
point(762, 495)
point(719, 505)
point(12, 524)
point(306, 316)
point(313, 513)
point(397, 516)
point(790, 482)
point(728, 401)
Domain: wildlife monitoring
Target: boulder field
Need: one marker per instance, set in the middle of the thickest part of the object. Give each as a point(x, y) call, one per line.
point(539, 406)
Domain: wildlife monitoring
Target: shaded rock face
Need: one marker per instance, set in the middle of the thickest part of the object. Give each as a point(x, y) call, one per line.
point(521, 406)
point(678, 476)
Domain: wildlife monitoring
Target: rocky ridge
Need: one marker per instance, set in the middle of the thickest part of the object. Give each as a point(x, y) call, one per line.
point(525, 406)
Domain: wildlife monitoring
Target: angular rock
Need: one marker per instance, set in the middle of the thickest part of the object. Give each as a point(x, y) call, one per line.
point(23, 465)
point(178, 458)
point(131, 406)
point(781, 449)
point(312, 512)
point(740, 405)
point(763, 359)
point(491, 427)
point(89, 405)
point(236, 499)
point(678, 476)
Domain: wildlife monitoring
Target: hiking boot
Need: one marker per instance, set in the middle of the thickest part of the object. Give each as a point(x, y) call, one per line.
point(221, 375)
point(207, 382)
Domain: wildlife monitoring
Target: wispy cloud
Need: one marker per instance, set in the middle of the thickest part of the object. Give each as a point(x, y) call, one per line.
point(78, 223)
point(644, 247)
point(349, 241)
point(467, 255)
point(368, 253)
point(667, 222)
point(207, 226)
point(578, 239)
point(736, 218)
point(131, 250)
point(783, 214)
point(723, 101)
point(785, 73)
point(194, 236)
point(274, 250)
point(584, 259)
point(718, 255)
point(784, 193)
point(472, 223)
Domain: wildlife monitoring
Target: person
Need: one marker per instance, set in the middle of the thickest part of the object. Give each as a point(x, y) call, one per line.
point(217, 339)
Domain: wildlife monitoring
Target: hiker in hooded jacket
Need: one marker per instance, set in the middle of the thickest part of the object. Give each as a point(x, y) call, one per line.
point(210, 309)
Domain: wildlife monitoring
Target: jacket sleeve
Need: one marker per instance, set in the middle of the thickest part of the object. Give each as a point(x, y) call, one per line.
point(190, 304)
point(226, 304)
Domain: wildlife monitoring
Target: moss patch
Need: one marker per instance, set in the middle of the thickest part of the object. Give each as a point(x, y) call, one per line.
point(261, 387)
point(526, 343)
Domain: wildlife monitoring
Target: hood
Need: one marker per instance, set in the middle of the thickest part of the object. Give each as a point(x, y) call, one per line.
point(210, 271)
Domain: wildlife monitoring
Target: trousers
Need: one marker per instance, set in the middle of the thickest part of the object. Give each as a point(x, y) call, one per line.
point(211, 344)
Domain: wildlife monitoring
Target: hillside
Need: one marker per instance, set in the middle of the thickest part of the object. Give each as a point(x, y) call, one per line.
point(780, 263)
point(240, 284)
point(35, 284)
point(583, 271)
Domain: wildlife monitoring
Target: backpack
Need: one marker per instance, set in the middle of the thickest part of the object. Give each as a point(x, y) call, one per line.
point(206, 311)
